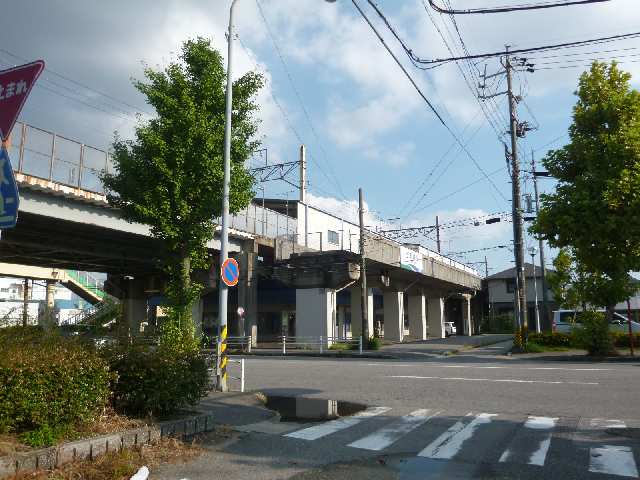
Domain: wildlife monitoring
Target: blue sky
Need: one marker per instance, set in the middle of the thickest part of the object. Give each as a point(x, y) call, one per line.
point(362, 122)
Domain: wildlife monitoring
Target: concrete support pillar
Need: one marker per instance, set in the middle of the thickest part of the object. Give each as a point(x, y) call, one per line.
point(134, 304)
point(356, 312)
point(466, 315)
point(248, 292)
point(435, 317)
point(315, 312)
point(393, 316)
point(50, 303)
point(342, 334)
point(417, 306)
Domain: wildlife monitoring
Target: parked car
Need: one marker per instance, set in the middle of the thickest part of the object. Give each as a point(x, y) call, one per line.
point(449, 329)
point(565, 320)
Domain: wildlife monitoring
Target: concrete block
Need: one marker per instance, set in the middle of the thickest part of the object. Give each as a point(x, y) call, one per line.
point(154, 434)
point(26, 462)
point(190, 427)
point(7, 466)
point(129, 438)
point(113, 443)
point(46, 458)
point(210, 423)
point(66, 453)
point(98, 447)
point(82, 449)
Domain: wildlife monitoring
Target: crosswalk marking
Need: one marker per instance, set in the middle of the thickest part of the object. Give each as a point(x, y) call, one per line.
point(530, 445)
point(324, 429)
point(448, 444)
point(539, 455)
point(613, 460)
point(389, 434)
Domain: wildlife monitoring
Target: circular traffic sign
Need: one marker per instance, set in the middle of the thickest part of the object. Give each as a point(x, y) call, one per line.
point(230, 272)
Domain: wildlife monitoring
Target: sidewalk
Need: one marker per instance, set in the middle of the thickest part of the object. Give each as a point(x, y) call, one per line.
point(448, 346)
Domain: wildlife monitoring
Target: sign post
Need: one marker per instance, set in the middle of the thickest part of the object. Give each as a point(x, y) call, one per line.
point(229, 274)
point(15, 85)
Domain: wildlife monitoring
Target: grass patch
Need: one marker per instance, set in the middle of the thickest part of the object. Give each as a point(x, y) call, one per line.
point(121, 465)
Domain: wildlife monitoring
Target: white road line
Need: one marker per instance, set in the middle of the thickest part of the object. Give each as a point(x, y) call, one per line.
point(389, 434)
point(447, 445)
point(324, 429)
point(494, 367)
point(604, 423)
point(613, 460)
point(496, 380)
point(538, 457)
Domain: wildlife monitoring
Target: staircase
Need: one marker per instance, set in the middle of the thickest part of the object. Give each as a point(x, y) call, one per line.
point(96, 315)
point(85, 285)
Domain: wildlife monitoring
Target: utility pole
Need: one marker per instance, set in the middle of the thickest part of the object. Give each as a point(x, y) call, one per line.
point(364, 303)
point(486, 267)
point(438, 232)
point(223, 290)
point(545, 295)
point(518, 241)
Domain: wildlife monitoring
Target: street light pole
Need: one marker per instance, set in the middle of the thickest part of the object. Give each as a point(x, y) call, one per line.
point(224, 233)
point(532, 252)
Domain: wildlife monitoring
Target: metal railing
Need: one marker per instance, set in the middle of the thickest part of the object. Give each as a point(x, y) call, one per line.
point(321, 343)
point(240, 343)
point(213, 370)
point(52, 157)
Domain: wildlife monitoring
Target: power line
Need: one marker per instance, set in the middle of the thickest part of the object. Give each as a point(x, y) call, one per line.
point(495, 247)
point(80, 84)
point(455, 192)
point(426, 100)
point(302, 105)
point(556, 46)
point(512, 8)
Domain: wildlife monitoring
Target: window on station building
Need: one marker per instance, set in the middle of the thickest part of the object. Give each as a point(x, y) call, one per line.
point(511, 285)
point(332, 237)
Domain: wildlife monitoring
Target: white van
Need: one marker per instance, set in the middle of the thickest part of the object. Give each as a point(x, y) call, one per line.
point(565, 320)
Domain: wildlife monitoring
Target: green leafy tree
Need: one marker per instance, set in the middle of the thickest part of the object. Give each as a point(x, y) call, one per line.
point(171, 176)
point(564, 282)
point(595, 210)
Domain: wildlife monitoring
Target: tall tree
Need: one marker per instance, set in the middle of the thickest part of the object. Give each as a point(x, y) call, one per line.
point(171, 176)
point(595, 210)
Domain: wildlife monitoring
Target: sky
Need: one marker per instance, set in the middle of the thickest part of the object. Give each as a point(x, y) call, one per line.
point(331, 85)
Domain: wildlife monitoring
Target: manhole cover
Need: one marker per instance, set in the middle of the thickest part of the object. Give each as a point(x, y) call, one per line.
point(301, 409)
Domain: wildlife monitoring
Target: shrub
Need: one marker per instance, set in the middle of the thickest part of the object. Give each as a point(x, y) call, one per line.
point(156, 381)
point(373, 343)
point(594, 334)
point(48, 383)
point(621, 340)
point(553, 339)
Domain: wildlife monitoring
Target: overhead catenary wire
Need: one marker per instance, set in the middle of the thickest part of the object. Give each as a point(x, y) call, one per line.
point(296, 92)
point(426, 100)
point(512, 8)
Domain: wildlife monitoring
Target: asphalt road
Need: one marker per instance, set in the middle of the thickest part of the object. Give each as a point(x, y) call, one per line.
point(473, 415)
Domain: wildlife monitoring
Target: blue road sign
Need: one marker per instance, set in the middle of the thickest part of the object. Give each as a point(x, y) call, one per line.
point(9, 198)
point(230, 272)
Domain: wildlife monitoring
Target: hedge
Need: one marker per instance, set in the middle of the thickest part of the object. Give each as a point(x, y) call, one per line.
point(155, 381)
point(553, 339)
point(48, 382)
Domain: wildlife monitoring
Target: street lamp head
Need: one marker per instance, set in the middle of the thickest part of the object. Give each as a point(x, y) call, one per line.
point(330, 1)
point(533, 251)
